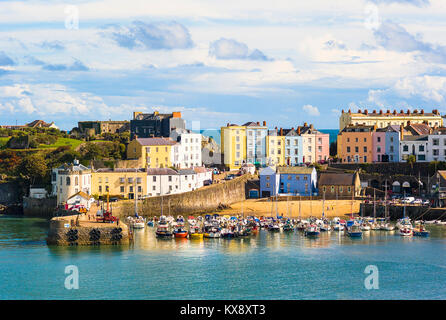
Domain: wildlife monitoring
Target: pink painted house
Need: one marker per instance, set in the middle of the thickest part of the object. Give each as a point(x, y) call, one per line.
point(322, 146)
point(378, 145)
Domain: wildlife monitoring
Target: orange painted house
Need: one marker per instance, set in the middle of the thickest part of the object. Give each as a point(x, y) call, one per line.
point(355, 144)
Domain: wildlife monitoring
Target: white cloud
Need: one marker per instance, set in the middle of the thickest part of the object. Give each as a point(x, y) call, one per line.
point(311, 110)
point(431, 89)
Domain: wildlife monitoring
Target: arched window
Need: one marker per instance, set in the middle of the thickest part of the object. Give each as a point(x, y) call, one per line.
point(68, 181)
point(76, 181)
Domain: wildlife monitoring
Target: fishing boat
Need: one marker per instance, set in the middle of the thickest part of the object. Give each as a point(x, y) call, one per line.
point(405, 231)
point(287, 227)
point(180, 232)
point(312, 230)
point(138, 223)
point(420, 231)
point(163, 230)
point(354, 231)
point(228, 233)
point(195, 233)
point(212, 232)
point(403, 222)
point(274, 226)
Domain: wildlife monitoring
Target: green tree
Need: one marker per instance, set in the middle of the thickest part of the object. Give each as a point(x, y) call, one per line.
point(33, 168)
point(411, 160)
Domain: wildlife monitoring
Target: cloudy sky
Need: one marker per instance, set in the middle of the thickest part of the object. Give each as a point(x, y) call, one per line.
point(284, 61)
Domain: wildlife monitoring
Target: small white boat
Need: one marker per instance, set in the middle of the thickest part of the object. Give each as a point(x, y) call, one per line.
point(406, 232)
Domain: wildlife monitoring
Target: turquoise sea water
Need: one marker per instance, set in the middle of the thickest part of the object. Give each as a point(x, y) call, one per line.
point(266, 266)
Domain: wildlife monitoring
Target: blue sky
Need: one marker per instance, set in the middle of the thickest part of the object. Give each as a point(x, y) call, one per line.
point(285, 62)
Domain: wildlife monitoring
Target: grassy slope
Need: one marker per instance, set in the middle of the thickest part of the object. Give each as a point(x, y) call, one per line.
point(73, 143)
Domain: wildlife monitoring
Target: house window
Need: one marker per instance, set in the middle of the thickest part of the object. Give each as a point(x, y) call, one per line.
point(170, 178)
point(332, 189)
point(100, 189)
point(349, 189)
point(436, 142)
point(121, 189)
point(154, 179)
point(324, 188)
point(267, 178)
point(130, 180)
point(106, 189)
point(76, 181)
point(365, 149)
point(131, 189)
point(121, 180)
point(341, 189)
point(139, 189)
point(405, 148)
point(138, 180)
point(356, 149)
point(348, 149)
point(267, 184)
point(421, 148)
point(379, 139)
point(68, 181)
point(290, 177)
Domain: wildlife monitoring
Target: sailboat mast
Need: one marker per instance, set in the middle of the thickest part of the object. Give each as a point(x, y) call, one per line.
point(323, 206)
point(374, 203)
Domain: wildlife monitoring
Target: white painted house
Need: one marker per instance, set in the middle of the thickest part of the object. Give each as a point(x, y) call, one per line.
point(69, 179)
point(414, 145)
point(203, 174)
point(162, 181)
point(188, 180)
point(189, 148)
point(437, 145)
point(80, 199)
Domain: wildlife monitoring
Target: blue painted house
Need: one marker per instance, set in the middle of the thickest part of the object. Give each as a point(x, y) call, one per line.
point(393, 143)
point(293, 147)
point(269, 182)
point(297, 180)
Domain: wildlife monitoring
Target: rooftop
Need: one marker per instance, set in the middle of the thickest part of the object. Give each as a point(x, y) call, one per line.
point(295, 170)
point(156, 141)
point(337, 179)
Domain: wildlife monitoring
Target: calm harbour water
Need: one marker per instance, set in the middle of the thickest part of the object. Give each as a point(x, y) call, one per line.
point(266, 266)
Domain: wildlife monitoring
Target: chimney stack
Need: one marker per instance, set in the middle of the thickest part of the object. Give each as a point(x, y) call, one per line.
point(311, 126)
point(281, 131)
point(388, 111)
point(380, 112)
point(298, 130)
point(408, 111)
point(366, 112)
point(264, 123)
point(359, 111)
point(374, 112)
point(422, 111)
point(401, 132)
point(349, 111)
point(342, 110)
point(305, 124)
point(258, 123)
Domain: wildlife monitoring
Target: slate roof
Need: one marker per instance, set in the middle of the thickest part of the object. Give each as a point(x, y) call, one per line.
point(161, 172)
point(156, 141)
point(294, 170)
point(337, 179)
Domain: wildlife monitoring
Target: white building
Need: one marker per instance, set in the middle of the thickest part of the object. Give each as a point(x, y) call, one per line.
point(414, 145)
point(37, 192)
point(256, 142)
point(188, 180)
point(203, 174)
point(69, 179)
point(162, 181)
point(80, 199)
point(189, 149)
point(437, 145)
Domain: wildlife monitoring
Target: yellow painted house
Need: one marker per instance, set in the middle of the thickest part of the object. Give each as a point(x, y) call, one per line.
point(119, 182)
point(233, 145)
point(275, 148)
point(154, 152)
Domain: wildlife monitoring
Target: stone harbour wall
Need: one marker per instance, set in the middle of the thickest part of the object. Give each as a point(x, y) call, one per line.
point(204, 200)
point(64, 231)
